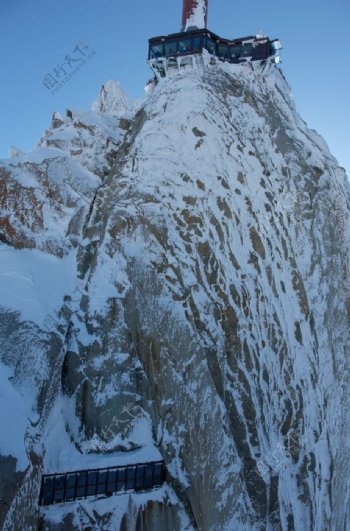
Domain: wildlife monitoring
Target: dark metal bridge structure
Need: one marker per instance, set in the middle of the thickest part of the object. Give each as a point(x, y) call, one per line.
point(81, 484)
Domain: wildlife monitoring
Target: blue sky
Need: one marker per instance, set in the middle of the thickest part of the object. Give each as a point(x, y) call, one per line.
point(37, 35)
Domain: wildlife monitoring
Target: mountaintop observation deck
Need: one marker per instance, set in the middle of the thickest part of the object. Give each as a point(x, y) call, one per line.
point(195, 44)
point(171, 50)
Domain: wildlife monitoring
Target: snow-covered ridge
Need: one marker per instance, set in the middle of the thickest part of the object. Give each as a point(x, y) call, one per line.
point(46, 193)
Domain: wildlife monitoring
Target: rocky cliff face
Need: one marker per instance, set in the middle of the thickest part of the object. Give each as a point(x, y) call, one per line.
point(192, 305)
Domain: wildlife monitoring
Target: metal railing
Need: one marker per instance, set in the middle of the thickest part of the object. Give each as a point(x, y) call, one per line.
point(70, 486)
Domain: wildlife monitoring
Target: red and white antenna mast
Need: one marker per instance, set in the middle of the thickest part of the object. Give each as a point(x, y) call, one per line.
point(194, 14)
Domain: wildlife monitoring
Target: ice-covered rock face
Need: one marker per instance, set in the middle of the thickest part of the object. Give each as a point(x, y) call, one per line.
point(224, 246)
point(211, 318)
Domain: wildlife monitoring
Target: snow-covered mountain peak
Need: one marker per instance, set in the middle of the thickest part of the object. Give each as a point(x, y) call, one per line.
point(202, 313)
point(113, 100)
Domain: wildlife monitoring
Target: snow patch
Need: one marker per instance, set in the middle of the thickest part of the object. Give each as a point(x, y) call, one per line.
point(34, 283)
point(14, 414)
point(63, 456)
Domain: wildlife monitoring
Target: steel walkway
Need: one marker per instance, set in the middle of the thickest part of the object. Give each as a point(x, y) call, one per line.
point(70, 486)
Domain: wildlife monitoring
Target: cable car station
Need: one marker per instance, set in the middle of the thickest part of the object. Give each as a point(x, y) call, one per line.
point(195, 44)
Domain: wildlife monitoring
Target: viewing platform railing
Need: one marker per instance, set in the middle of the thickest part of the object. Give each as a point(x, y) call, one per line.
point(70, 486)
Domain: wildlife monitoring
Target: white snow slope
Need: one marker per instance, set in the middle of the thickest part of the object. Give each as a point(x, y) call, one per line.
point(200, 314)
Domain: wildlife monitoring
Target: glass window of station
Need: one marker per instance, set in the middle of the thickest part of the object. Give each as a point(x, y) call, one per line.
point(156, 50)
